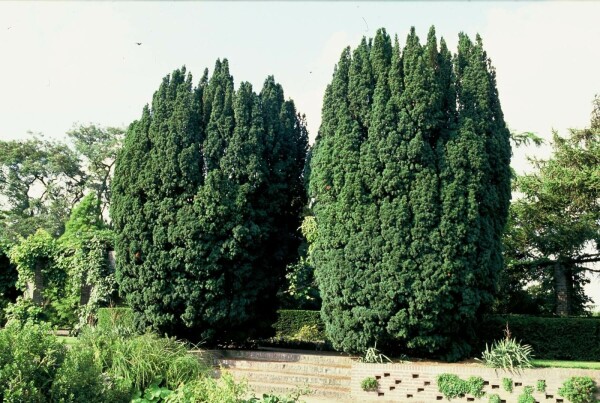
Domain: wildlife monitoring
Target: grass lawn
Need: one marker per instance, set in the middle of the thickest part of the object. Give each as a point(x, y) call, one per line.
point(565, 364)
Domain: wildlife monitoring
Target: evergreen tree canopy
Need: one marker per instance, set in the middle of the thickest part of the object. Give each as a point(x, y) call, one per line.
point(207, 196)
point(411, 184)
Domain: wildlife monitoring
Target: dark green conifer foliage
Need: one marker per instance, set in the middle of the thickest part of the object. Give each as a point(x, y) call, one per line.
point(410, 193)
point(207, 190)
point(156, 178)
point(283, 196)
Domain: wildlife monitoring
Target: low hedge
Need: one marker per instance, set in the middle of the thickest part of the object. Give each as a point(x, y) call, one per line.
point(575, 339)
point(290, 322)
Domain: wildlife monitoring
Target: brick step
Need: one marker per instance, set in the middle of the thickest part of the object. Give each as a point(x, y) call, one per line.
point(319, 358)
point(320, 394)
point(286, 367)
point(301, 379)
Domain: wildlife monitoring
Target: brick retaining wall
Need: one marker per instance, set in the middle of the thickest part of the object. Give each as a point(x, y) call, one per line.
point(417, 382)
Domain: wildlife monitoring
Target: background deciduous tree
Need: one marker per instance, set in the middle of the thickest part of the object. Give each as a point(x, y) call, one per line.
point(40, 181)
point(554, 227)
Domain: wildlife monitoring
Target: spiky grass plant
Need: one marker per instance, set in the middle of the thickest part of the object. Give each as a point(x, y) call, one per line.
point(508, 354)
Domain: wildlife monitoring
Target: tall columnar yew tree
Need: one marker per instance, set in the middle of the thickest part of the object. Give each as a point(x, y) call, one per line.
point(411, 184)
point(206, 204)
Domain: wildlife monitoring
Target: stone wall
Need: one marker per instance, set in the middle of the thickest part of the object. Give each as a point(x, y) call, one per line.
point(417, 382)
point(36, 287)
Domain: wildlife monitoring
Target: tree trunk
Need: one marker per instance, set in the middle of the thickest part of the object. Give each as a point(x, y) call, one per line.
point(561, 289)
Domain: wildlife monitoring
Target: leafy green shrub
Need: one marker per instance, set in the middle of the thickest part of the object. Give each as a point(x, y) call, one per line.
point(508, 354)
point(24, 310)
point(309, 333)
point(290, 322)
point(541, 386)
point(30, 356)
point(526, 396)
point(494, 398)
point(451, 386)
point(475, 386)
point(79, 379)
point(578, 389)
point(369, 384)
point(507, 384)
point(576, 339)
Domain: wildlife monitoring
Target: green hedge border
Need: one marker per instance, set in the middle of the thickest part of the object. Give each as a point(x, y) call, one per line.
point(289, 322)
point(576, 339)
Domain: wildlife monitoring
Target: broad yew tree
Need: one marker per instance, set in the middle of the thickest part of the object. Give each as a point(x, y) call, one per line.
point(411, 185)
point(207, 195)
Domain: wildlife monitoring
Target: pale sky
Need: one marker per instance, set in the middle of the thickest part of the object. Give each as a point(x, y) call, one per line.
point(68, 62)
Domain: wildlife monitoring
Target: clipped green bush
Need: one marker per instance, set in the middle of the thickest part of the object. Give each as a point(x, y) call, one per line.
point(291, 322)
point(579, 389)
point(576, 339)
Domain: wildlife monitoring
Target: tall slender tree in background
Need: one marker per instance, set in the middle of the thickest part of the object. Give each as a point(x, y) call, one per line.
point(207, 200)
point(411, 194)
